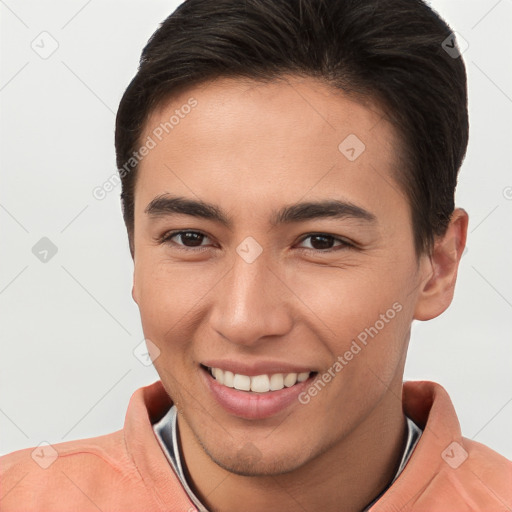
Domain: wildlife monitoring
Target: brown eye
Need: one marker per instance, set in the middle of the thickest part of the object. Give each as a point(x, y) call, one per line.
point(185, 238)
point(191, 238)
point(324, 242)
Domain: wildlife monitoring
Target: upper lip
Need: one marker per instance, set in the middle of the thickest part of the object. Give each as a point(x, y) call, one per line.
point(254, 368)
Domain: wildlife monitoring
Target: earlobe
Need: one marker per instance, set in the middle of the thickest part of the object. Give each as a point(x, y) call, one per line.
point(440, 269)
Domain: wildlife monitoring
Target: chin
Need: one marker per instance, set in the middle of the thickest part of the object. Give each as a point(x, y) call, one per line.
point(249, 461)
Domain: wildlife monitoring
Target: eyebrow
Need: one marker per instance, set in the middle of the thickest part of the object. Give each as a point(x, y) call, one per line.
point(167, 205)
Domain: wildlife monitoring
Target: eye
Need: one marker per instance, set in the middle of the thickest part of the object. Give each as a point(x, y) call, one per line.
point(324, 242)
point(188, 239)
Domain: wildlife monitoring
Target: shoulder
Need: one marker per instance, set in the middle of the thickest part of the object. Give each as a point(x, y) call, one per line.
point(473, 477)
point(126, 470)
point(51, 477)
point(446, 470)
point(489, 470)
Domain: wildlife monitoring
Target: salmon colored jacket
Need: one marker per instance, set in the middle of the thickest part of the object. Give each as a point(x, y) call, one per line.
point(128, 471)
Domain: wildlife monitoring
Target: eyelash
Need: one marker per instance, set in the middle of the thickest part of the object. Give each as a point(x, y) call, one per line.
point(344, 244)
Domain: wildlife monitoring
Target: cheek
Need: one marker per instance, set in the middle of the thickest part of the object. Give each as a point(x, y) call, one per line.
point(362, 316)
point(346, 300)
point(170, 295)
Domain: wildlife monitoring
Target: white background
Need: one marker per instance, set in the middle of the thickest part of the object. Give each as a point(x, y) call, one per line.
point(69, 326)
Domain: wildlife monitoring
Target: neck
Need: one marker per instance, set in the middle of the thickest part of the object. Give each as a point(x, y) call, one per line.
point(352, 472)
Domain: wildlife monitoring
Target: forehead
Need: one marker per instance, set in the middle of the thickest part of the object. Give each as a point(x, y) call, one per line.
point(256, 142)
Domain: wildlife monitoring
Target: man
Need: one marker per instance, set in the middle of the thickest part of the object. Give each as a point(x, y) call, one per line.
point(288, 172)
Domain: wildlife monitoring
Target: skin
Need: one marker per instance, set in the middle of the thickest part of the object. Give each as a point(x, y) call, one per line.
point(250, 149)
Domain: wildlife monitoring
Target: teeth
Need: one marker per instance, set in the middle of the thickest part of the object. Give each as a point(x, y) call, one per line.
point(258, 383)
point(228, 379)
point(276, 382)
point(218, 374)
point(290, 380)
point(302, 376)
point(241, 382)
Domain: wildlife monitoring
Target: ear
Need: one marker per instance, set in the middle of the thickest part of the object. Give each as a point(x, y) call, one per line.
point(440, 269)
point(134, 294)
point(134, 285)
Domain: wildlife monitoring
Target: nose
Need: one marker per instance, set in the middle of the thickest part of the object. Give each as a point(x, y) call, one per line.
point(252, 303)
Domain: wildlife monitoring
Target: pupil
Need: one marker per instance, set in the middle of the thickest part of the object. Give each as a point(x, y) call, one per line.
point(325, 242)
point(194, 238)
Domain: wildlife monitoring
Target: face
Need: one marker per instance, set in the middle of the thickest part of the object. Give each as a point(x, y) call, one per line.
point(273, 244)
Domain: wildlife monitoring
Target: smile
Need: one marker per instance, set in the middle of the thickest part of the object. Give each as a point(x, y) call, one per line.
point(257, 383)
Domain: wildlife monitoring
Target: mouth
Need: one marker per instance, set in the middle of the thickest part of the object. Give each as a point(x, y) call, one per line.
point(264, 383)
point(255, 396)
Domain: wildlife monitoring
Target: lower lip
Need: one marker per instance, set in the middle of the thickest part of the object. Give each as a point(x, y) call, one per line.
point(250, 405)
